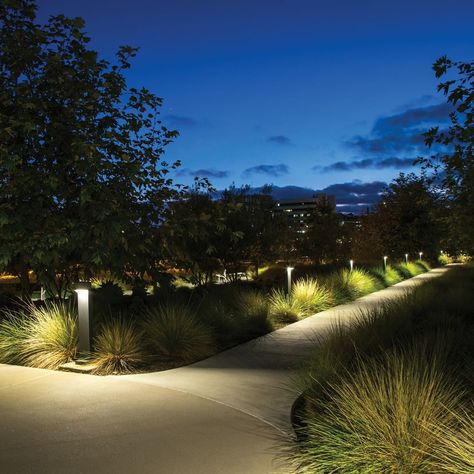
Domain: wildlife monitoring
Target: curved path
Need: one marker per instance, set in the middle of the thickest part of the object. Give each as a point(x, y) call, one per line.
point(226, 414)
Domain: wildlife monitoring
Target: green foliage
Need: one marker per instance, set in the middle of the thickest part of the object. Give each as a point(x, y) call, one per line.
point(44, 337)
point(118, 348)
point(454, 150)
point(348, 285)
point(109, 292)
point(445, 259)
point(388, 276)
point(283, 308)
point(410, 269)
point(382, 393)
point(311, 295)
point(83, 181)
point(236, 314)
point(173, 333)
point(388, 415)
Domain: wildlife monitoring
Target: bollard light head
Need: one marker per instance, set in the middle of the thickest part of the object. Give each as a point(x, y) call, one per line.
point(82, 287)
point(290, 269)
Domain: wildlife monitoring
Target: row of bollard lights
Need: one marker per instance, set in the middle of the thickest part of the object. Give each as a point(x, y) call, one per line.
point(351, 266)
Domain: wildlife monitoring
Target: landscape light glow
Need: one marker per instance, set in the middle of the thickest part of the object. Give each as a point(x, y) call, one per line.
point(288, 275)
point(420, 254)
point(82, 290)
point(351, 264)
point(406, 258)
point(385, 263)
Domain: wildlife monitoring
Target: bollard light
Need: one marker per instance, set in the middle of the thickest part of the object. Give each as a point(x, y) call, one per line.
point(84, 341)
point(420, 254)
point(288, 275)
point(406, 258)
point(385, 264)
point(351, 264)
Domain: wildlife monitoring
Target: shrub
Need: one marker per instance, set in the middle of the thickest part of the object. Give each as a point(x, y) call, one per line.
point(408, 270)
point(118, 348)
point(387, 416)
point(423, 265)
point(109, 292)
point(445, 259)
point(173, 333)
point(312, 296)
point(284, 308)
point(44, 337)
point(388, 276)
point(252, 313)
point(349, 285)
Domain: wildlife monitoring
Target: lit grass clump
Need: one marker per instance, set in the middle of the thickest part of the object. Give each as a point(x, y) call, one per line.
point(388, 415)
point(44, 337)
point(118, 348)
point(410, 269)
point(174, 334)
point(348, 285)
point(284, 308)
point(388, 276)
point(311, 295)
point(252, 314)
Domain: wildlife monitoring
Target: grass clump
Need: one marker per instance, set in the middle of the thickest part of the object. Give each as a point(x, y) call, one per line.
point(386, 416)
point(349, 285)
point(311, 295)
point(43, 337)
point(284, 308)
point(388, 276)
point(410, 269)
point(118, 348)
point(173, 333)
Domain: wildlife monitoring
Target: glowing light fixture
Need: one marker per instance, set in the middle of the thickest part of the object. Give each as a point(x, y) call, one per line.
point(420, 254)
point(288, 275)
point(82, 289)
point(385, 264)
point(351, 264)
point(406, 258)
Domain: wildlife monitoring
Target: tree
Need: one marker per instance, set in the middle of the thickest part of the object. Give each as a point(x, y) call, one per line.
point(408, 217)
point(324, 239)
point(455, 161)
point(82, 177)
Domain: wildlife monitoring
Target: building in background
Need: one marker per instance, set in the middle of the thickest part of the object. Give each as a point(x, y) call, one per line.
point(301, 212)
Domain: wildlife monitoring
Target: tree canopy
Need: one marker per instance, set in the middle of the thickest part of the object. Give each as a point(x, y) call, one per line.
point(455, 164)
point(82, 175)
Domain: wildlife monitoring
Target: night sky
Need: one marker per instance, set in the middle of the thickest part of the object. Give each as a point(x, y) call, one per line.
point(319, 94)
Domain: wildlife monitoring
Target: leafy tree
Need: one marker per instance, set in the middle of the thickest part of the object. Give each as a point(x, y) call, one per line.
point(325, 239)
point(82, 175)
point(191, 232)
point(407, 218)
point(456, 163)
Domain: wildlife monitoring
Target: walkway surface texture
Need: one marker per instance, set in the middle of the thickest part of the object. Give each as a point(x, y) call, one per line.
point(226, 414)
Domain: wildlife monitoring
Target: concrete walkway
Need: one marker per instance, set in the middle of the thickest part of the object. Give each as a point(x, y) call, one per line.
point(255, 377)
point(227, 414)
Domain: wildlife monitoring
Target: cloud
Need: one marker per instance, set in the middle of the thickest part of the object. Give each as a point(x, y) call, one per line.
point(280, 140)
point(394, 162)
point(400, 135)
point(351, 195)
point(177, 121)
point(203, 173)
point(269, 170)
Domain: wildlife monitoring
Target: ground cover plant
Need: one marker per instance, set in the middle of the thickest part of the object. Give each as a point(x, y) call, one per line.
point(173, 327)
point(393, 391)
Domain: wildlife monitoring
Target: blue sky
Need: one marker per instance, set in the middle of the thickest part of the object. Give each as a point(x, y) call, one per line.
point(304, 92)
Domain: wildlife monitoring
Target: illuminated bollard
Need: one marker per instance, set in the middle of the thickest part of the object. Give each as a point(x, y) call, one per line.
point(82, 290)
point(406, 258)
point(385, 264)
point(420, 254)
point(288, 275)
point(351, 265)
